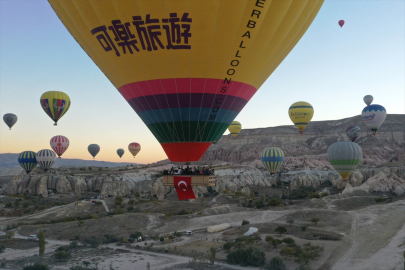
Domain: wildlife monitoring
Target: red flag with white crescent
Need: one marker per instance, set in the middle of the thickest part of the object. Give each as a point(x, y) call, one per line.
point(183, 187)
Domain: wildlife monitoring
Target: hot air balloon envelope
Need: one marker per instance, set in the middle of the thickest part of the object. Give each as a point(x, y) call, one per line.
point(93, 149)
point(301, 114)
point(134, 148)
point(120, 152)
point(344, 157)
point(187, 67)
point(10, 119)
point(272, 159)
point(341, 23)
point(46, 158)
point(235, 128)
point(368, 99)
point(353, 132)
point(373, 116)
point(59, 144)
point(27, 160)
point(55, 104)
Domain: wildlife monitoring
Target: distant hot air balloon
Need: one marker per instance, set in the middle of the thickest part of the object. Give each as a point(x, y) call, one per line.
point(234, 128)
point(189, 68)
point(344, 157)
point(46, 158)
point(341, 23)
point(353, 132)
point(301, 114)
point(120, 152)
point(10, 119)
point(368, 99)
point(55, 104)
point(272, 159)
point(134, 148)
point(59, 144)
point(27, 160)
point(93, 149)
point(373, 116)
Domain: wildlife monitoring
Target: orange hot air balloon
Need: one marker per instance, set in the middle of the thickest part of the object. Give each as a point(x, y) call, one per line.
point(187, 67)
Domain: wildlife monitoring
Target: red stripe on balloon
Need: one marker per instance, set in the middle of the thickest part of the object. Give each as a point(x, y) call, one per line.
point(185, 151)
point(187, 85)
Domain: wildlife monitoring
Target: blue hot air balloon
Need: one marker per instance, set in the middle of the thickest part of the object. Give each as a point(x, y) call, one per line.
point(272, 159)
point(27, 160)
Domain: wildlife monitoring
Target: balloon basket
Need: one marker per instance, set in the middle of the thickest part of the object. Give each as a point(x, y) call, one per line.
point(196, 180)
point(55, 124)
point(59, 157)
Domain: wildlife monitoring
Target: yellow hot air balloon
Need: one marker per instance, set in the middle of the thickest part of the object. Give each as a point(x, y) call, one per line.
point(55, 104)
point(235, 128)
point(187, 67)
point(301, 114)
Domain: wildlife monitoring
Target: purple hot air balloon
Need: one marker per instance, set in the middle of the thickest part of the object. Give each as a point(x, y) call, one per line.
point(341, 23)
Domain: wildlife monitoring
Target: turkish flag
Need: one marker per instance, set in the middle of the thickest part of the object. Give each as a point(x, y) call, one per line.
point(183, 187)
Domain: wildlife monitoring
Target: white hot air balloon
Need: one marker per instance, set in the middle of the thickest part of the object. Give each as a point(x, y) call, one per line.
point(353, 132)
point(368, 99)
point(373, 116)
point(344, 157)
point(46, 158)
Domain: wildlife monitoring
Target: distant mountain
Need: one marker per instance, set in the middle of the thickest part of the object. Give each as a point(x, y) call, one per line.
point(9, 161)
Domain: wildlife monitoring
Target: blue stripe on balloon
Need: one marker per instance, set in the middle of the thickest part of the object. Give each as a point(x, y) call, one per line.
point(187, 114)
point(374, 107)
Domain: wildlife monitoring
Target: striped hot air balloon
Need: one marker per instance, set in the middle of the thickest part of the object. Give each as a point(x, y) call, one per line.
point(187, 67)
point(344, 157)
point(301, 114)
point(272, 159)
point(55, 104)
point(134, 148)
point(27, 160)
point(46, 158)
point(59, 144)
point(234, 128)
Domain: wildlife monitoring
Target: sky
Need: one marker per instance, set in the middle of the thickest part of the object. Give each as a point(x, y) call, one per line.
point(330, 67)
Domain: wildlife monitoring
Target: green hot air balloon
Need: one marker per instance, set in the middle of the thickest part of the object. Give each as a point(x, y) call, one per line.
point(344, 157)
point(120, 152)
point(93, 149)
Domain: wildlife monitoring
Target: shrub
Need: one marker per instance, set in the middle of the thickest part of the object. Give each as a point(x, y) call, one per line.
point(9, 234)
point(135, 235)
point(290, 221)
point(73, 245)
point(42, 207)
point(7, 205)
point(68, 219)
point(2, 248)
point(118, 200)
point(281, 230)
point(36, 266)
point(162, 239)
point(225, 191)
point(324, 194)
point(268, 239)
point(206, 194)
point(377, 200)
point(314, 195)
point(182, 212)
point(119, 211)
point(26, 204)
point(275, 242)
point(92, 241)
point(94, 216)
point(136, 194)
point(315, 220)
point(62, 255)
point(98, 203)
point(276, 263)
point(287, 251)
point(110, 238)
point(131, 202)
point(245, 222)
point(304, 228)
point(130, 208)
point(250, 256)
point(273, 202)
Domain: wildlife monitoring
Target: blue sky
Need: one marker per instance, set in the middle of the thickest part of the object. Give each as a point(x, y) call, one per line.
point(331, 67)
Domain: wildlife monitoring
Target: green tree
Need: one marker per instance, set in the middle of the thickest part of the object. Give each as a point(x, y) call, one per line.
point(62, 255)
point(41, 242)
point(287, 251)
point(227, 246)
point(80, 223)
point(250, 256)
point(119, 211)
point(289, 241)
point(118, 200)
point(315, 220)
point(10, 234)
point(245, 222)
point(273, 202)
point(275, 243)
point(281, 230)
point(17, 203)
point(304, 228)
point(162, 239)
point(86, 263)
point(276, 263)
point(211, 255)
point(2, 248)
point(268, 239)
point(36, 266)
point(26, 204)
